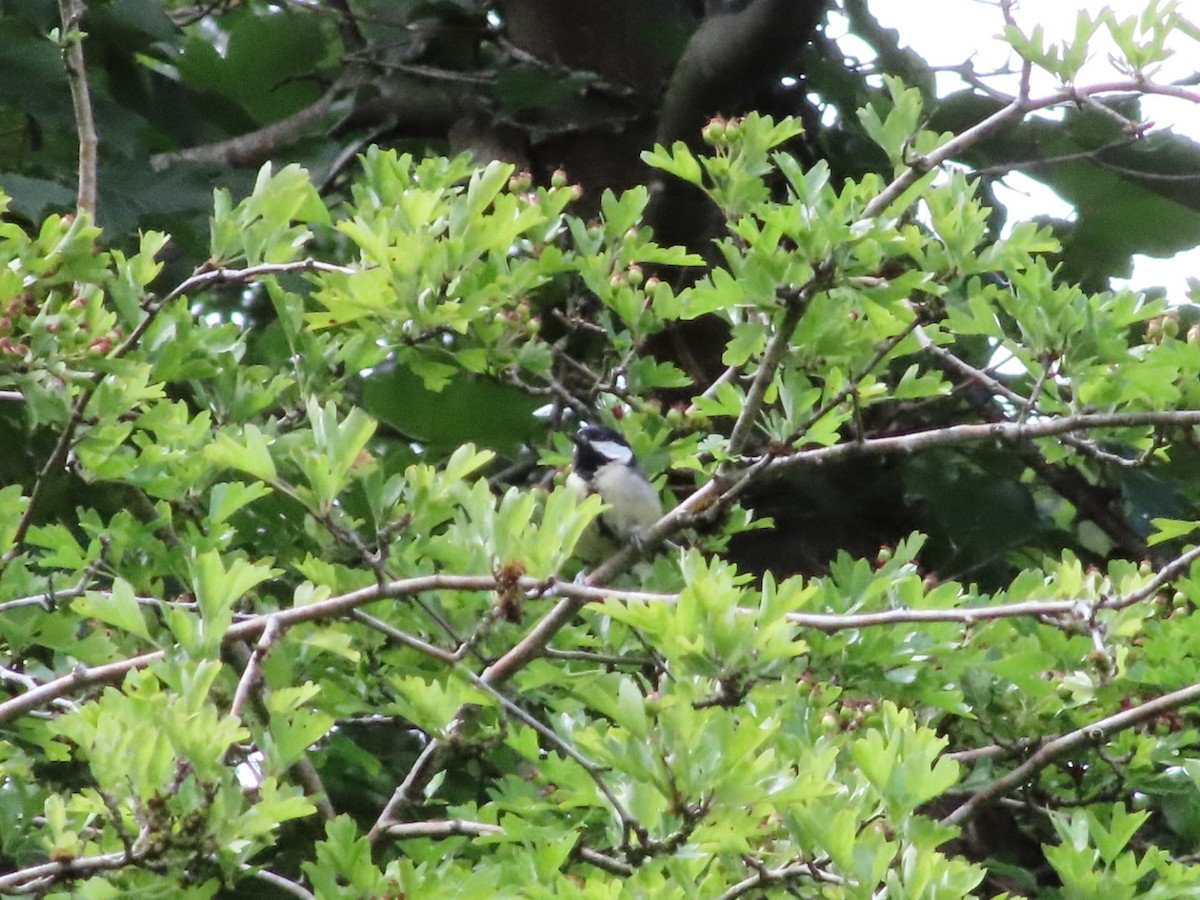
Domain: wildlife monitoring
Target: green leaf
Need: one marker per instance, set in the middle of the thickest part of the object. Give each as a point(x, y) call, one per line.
point(678, 161)
point(218, 588)
point(469, 408)
point(13, 504)
point(118, 607)
point(228, 497)
point(1169, 530)
point(253, 456)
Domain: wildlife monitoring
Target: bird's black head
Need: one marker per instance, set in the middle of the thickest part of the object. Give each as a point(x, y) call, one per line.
point(599, 445)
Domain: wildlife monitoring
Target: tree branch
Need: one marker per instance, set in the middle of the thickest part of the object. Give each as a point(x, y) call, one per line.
point(795, 303)
point(43, 875)
point(1015, 110)
point(1001, 432)
point(765, 877)
point(249, 628)
point(729, 58)
point(252, 674)
point(1051, 750)
point(441, 828)
point(202, 279)
point(258, 146)
point(279, 882)
point(71, 40)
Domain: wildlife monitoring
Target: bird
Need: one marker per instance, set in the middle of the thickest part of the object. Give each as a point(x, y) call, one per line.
point(604, 464)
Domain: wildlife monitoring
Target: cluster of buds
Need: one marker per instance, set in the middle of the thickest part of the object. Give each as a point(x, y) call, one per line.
point(721, 131)
point(852, 715)
point(522, 183)
point(1166, 327)
point(20, 306)
point(50, 318)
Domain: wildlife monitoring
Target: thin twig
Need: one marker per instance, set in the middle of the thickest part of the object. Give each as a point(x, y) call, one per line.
point(1001, 432)
point(252, 674)
point(70, 13)
point(795, 301)
point(851, 384)
point(957, 364)
point(629, 824)
point(781, 875)
point(1036, 392)
point(46, 600)
point(279, 882)
point(1021, 105)
point(1052, 749)
point(403, 637)
point(202, 279)
point(604, 861)
point(733, 373)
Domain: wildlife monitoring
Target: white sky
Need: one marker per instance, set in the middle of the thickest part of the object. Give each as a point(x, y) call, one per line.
point(948, 32)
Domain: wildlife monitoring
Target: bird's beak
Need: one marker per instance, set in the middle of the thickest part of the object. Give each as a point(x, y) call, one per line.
point(576, 439)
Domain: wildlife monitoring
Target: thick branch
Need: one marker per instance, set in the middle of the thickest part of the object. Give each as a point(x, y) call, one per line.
point(730, 58)
point(257, 146)
point(414, 106)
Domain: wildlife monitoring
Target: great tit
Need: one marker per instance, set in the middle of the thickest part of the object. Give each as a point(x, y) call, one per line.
point(604, 464)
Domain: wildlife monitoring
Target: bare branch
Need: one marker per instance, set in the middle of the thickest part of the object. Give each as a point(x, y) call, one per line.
point(43, 875)
point(71, 40)
point(629, 824)
point(573, 598)
point(957, 365)
point(1015, 110)
point(604, 861)
point(441, 828)
point(781, 875)
point(430, 760)
point(248, 628)
point(278, 881)
point(252, 674)
point(206, 278)
point(45, 600)
point(795, 303)
point(1080, 737)
point(403, 637)
point(256, 146)
point(1001, 432)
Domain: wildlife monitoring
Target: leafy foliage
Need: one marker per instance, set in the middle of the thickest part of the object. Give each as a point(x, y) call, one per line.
point(287, 595)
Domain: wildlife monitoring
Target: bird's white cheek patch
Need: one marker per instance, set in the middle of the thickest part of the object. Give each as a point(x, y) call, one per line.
point(611, 450)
